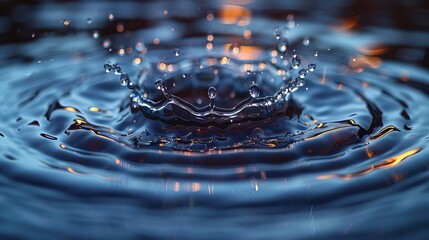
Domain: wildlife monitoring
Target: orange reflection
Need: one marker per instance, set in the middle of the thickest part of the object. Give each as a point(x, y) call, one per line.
point(71, 109)
point(243, 52)
point(347, 24)
point(388, 163)
point(364, 61)
point(94, 109)
point(383, 132)
point(71, 170)
point(372, 51)
point(231, 14)
point(195, 187)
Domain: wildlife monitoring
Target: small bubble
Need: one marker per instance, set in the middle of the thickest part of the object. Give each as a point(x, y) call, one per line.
point(116, 68)
point(254, 91)
point(306, 41)
point(296, 61)
point(212, 92)
point(199, 101)
point(121, 52)
point(111, 17)
point(302, 73)
point(277, 33)
point(107, 67)
point(89, 20)
point(176, 52)
point(283, 46)
point(107, 43)
point(124, 79)
point(95, 34)
point(131, 85)
point(65, 22)
point(134, 105)
point(316, 54)
point(311, 67)
point(140, 46)
point(160, 84)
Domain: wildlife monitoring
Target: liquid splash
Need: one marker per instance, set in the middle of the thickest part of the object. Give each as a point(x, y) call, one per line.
point(344, 158)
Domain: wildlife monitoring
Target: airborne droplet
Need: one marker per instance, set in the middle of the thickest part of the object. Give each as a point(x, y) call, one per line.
point(107, 67)
point(212, 92)
point(160, 84)
point(254, 91)
point(116, 69)
point(176, 52)
point(296, 61)
point(302, 73)
point(124, 79)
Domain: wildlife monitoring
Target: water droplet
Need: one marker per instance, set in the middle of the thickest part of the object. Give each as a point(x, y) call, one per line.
point(283, 46)
point(65, 22)
point(111, 17)
point(107, 43)
point(296, 61)
point(95, 34)
point(107, 67)
point(254, 91)
point(160, 84)
point(212, 92)
point(121, 51)
point(116, 69)
point(311, 67)
point(131, 85)
point(302, 73)
point(306, 41)
point(176, 52)
point(277, 33)
point(140, 46)
point(124, 79)
point(89, 20)
point(316, 54)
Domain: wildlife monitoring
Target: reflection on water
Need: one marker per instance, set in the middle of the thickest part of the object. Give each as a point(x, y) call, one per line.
point(196, 144)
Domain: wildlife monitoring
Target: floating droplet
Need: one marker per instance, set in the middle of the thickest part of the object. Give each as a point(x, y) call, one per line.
point(140, 46)
point(107, 43)
point(296, 61)
point(160, 84)
point(95, 34)
point(89, 20)
point(311, 67)
point(306, 41)
point(107, 67)
point(176, 52)
point(111, 17)
point(254, 91)
point(316, 54)
point(116, 69)
point(277, 33)
point(65, 22)
point(131, 85)
point(302, 73)
point(283, 46)
point(124, 79)
point(212, 92)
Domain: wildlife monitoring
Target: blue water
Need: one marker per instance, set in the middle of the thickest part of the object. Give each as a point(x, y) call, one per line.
point(346, 159)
